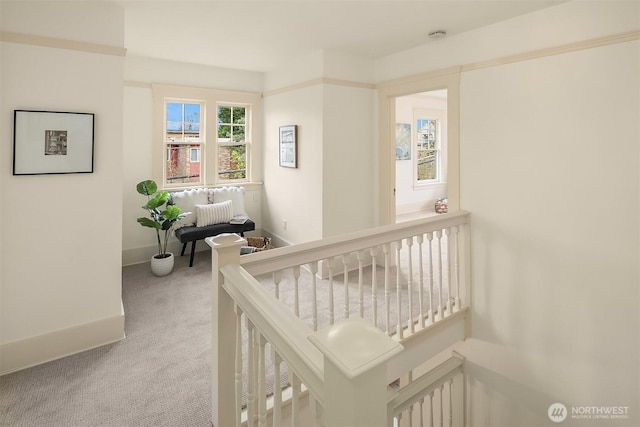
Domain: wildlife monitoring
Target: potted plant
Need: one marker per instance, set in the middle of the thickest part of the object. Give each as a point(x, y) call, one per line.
point(163, 214)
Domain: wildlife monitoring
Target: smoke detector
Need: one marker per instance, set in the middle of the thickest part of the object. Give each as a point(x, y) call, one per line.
point(439, 34)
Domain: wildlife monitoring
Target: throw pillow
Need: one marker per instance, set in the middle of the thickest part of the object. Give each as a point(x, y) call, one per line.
point(187, 200)
point(214, 213)
point(235, 194)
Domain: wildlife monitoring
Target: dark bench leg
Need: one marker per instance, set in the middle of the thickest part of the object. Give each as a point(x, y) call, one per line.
point(193, 252)
point(184, 246)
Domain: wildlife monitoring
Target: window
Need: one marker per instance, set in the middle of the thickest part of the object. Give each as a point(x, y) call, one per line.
point(427, 150)
point(183, 126)
point(195, 155)
point(232, 142)
point(208, 136)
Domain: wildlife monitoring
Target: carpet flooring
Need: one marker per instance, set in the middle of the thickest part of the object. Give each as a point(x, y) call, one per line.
point(158, 376)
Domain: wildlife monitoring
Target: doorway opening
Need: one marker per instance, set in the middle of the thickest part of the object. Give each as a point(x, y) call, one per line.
point(435, 166)
point(421, 154)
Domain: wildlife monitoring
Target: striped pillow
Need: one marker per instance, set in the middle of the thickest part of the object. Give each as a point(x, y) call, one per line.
point(214, 213)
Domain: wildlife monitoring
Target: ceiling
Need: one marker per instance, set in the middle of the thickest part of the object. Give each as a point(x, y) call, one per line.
point(261, 35)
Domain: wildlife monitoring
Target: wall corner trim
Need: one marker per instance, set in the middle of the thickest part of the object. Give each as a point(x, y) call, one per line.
point(34, 40)
point(29, 352)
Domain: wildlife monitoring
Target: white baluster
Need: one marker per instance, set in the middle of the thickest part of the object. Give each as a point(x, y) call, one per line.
point(262, 380)
point(422, 412)
point(409, 241)
point(450, 285)
point(399, 330)
point(360, 256)
point(410, 415)
point(441, 405)
point(251, 374)
point(450, 423)
point(296, 278)
point(295, 399)
point(331, 301)
point(456, 267)
point(431, 414)
point(277, 278)
point(374, 285)
point(420, 240)
point(387, 289)
point(313, 267)
point(345, 264)
point(277, 389)
point(440, 315)
point(430, 277)
point(238, 366)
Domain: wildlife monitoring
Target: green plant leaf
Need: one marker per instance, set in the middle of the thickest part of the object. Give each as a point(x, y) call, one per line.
point(147, 187)
point(157, 200)
point(171, 212)
point(148, 222)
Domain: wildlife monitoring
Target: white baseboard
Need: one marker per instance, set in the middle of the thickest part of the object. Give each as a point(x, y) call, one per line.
point(26, 353)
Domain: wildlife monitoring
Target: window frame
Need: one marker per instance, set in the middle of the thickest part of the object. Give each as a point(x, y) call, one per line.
point(437, 148)
point(201, 142)
point(210, 98)
point(246, 142)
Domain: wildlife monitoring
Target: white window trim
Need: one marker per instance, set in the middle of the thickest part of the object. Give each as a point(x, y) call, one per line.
point(211, 98)
point(440, 116)
point(201, 142)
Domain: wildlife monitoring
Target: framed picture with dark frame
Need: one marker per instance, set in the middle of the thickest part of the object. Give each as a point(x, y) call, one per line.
point(52, 142)
point(288, 146)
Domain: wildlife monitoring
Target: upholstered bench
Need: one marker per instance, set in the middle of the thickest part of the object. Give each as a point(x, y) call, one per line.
point(212, 211)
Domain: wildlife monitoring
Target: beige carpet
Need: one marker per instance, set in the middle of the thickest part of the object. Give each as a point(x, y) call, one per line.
point(158, 376)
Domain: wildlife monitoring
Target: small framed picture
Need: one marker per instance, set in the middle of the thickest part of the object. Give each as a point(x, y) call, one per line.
point(288, 146)
point(52, 142)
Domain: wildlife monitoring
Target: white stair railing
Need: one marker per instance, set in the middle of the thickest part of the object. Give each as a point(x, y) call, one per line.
point(402, 278)
point(342, 368)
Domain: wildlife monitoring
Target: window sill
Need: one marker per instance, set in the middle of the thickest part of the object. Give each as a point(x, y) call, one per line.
point(429, 185)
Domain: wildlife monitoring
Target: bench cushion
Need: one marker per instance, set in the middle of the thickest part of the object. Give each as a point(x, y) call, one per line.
point(191, 233)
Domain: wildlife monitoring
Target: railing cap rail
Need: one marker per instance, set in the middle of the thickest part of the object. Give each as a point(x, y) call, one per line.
point(303, 253)
point(355, 346)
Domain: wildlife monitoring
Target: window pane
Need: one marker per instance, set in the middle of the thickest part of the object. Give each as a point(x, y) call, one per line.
point(183, 122)
point(224, 133)
point(179, 167)
point(224, 114)
point(427, 164)
point(238, 134)
point(232, 162)
point(174, 112)
point(239, 115)
point(231, 124)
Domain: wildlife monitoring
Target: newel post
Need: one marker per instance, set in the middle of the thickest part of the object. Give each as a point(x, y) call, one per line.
point(225, 249)
point(355, 373)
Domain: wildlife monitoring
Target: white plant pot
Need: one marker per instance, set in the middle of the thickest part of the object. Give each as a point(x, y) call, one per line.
point(162, 266)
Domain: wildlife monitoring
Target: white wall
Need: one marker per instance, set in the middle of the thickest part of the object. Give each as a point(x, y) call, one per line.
point(61, 246)
point(138, 242)
point(333, 189)
point(348, 160)
point(550, 174)
point(555, 210)
point(293, 195)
